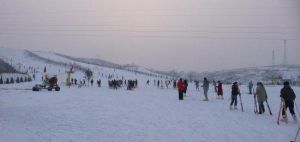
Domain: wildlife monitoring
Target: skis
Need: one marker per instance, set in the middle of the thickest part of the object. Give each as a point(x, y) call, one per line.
point(285, 119)
point(241, 103)
point(282, 108)
point(297, 109)
point(255, 103)
point(269, 107)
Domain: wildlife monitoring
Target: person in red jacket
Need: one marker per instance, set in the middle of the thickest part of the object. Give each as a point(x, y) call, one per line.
point(220, 90)
point(181, 87)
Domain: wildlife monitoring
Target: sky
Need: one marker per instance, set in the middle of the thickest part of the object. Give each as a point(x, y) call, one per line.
point(189, 35)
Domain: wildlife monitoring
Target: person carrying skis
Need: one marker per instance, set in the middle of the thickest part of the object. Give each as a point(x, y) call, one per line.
point(288, 96)
point(205, 88)
point(261, 97)
point(234, 92)
point(220, 90)
point(180, 86)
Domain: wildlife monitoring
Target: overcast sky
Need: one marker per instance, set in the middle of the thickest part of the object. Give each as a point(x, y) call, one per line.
point(199, 35)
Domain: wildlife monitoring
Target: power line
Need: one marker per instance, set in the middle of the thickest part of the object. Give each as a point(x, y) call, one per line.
point(147, 36)
point(153, 31)
point(148, 26)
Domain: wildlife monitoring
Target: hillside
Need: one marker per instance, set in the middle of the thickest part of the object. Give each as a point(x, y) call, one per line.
point(34, 62)
point(6, 68)
point(267, 74)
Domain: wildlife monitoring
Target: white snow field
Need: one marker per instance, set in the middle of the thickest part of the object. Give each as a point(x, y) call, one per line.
point(147, 114)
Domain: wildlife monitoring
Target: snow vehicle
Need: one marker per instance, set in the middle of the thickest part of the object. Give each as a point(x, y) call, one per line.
point(49, 84)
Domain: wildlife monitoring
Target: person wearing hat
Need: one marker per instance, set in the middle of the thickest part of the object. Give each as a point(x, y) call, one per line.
point(181, 87)
point(288, 96)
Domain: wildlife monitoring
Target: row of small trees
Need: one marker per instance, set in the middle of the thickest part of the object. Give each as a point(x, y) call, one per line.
point(12, 81)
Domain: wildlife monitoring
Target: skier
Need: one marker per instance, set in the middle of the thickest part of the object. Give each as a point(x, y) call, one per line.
point(174, 84)
point(261, 97)
point(250, 86)
point(205, 88)
point(220, 90)
point(98, 83)
point(215, 85)
point(185, 87)
point(197, 84)
point(234, 92)
point(92, 82)
point(180, 86)
point(288, 96)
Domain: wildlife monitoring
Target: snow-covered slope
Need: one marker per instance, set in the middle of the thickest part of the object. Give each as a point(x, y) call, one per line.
point(34, 62)
point(147, 114)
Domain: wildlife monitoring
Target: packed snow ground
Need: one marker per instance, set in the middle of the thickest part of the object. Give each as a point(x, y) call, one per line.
point(147, 114)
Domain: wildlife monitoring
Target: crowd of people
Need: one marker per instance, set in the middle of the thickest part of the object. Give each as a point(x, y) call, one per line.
point(287, 95)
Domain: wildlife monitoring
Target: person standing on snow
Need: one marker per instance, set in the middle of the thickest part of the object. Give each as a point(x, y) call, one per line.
point(234, 92)
point(250, 86)
point(261, 97)
point(185, 86)
point(215, 86)
point(220, 90)
point(180, 86)
point(288, 95)
point(205, 88)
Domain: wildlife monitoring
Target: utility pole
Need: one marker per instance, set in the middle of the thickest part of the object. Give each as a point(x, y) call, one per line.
point(285, 62)
point(273, 58)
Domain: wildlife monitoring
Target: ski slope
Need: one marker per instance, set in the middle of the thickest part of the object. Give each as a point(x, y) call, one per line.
point(147, 114)
point(21, 60)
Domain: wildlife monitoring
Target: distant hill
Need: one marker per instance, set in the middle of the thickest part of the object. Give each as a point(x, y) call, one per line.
point(266, 74)
point(6, 68)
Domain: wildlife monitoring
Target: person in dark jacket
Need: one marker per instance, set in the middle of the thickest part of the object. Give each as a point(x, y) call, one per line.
point(234, 92)
point(250, 86)
point(205, 88)
point(261, 96)
point(185, 86)
point(288, 96)
point(180, 86)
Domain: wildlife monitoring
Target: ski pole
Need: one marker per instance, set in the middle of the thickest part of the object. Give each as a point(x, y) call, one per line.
point(241, 103)
point(297, 109)
point(280, 107)
point(296, 135)
point(285, 110)
point(269, 107)
point(255, 103)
